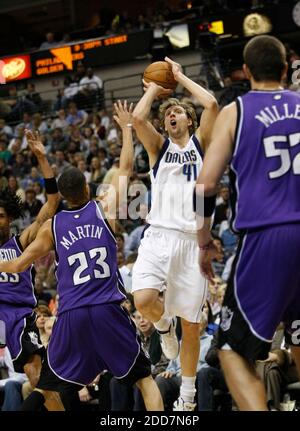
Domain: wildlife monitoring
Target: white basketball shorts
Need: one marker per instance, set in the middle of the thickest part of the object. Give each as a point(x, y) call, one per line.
point(168, 261)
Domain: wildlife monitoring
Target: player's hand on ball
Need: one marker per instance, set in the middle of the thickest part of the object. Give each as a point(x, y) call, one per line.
point(159, 90)
point(176, 67)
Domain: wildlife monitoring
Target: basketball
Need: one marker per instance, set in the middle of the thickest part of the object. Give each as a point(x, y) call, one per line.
point(161, 73)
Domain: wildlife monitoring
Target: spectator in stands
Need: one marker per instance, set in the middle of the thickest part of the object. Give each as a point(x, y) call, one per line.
point(20, 166)
point(276, 372)
point(126, 271)
point(32, 205)
point(58, 140)
point(25, 124)
point(32, 178)
point(134, 239)
point(80, 71)
point(13, 185)
point(102, 155)
point(219, 261)
point(81, 165)
point(18, 105)
point(43, 313)
point(97, 171)
point(39, 190)
point(60, 121)
point(5, 154)
point(222, 205)
point(70, 92)
point(98, 126)
point(10, 383)
point(90, 88)
point(4, 128)
point(38, 123)
point(4, 174)
point(210, 378)
point(33, 96)
point(50, 41)
point(90, 83)
point(76, 117)
point(60, 162)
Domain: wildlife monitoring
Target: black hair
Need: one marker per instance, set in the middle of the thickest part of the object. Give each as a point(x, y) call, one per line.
point(71, 185)
point(12, 204)
point(266, 58)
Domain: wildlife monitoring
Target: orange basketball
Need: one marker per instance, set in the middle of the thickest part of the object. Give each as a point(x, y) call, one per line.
point(161, 73)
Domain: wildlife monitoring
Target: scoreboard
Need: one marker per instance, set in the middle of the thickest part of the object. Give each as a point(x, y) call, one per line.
point(63, 58)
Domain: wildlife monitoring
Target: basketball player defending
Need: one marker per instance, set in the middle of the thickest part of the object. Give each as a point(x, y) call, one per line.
point(92, 332)
point(259, 135)
point(167, 260)
point(17, 298)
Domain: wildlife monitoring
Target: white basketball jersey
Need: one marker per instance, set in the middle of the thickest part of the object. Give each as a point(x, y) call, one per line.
point(173, 178)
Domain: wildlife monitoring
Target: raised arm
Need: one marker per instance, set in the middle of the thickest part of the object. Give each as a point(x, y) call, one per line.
point(150, 138)
point(119, 183)
point(205, 99)
point(216, 159)
point(38, 248)
point(49, 208)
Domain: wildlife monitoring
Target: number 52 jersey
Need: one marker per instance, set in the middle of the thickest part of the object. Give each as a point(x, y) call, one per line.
point(86, 258)
point(265, 167)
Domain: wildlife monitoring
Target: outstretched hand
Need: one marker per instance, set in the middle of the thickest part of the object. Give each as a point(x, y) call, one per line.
point(176, 67)
point(35, 143)
point(159, 90)
point(123, 113)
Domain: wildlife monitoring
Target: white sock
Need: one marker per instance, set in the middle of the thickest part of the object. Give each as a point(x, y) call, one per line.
point(187, 389)
point(163, 324)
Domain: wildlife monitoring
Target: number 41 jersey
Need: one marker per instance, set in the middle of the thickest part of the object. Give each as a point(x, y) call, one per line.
point(173, 179)
point(265, 168)
point(86, 259)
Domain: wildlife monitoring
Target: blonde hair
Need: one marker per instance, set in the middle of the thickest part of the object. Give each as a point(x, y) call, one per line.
point(189, 110)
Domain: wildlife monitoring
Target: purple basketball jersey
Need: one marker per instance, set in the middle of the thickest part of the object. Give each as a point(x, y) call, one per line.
point(16, 289)
point(265, 168)
point(86, 259)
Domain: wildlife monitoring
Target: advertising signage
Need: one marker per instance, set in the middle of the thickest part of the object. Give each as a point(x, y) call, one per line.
point(15, 68)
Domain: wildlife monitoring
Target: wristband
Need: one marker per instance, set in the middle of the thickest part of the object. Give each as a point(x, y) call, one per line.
point(50, 186)
point(209, 204)
point(129, 125)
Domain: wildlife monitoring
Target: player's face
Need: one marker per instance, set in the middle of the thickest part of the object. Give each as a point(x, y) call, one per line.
point(4, 226)
point(176, 121)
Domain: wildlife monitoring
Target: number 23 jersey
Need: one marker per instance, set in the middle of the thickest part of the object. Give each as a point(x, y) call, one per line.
point(86, 258)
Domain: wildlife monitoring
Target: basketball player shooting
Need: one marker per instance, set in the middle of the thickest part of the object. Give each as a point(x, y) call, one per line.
point(168, 254)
